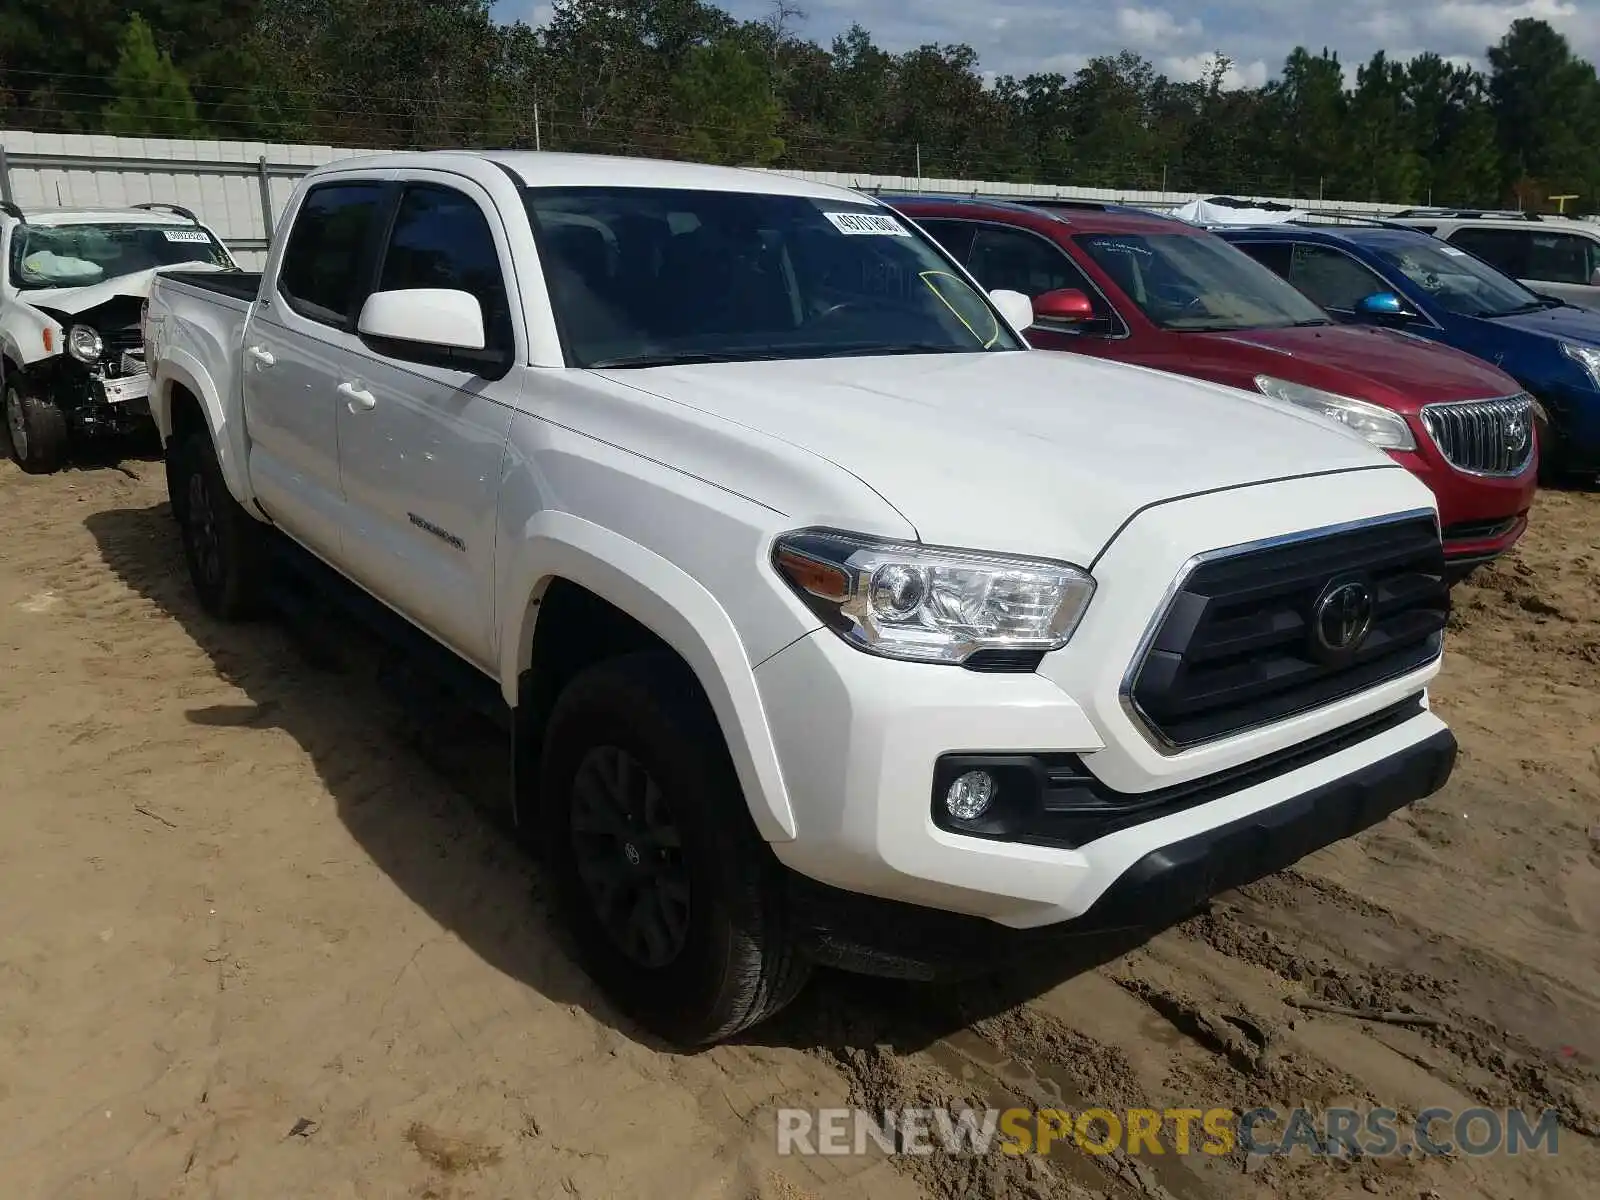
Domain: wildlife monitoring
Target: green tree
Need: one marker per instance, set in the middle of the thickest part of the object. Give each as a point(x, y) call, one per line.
point(1381, 136)
point(152, 97)
point(1305, 112)
point(1547, 107)
point(1453, 132)
point(723, 98)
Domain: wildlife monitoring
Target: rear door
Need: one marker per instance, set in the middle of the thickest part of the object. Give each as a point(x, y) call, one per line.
point(422, 435)
point(293, 354)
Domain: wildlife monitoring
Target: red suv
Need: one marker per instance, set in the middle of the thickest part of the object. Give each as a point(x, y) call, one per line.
point(1140, 288)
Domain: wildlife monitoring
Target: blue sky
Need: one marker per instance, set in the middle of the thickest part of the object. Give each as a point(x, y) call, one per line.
point(1019, 36)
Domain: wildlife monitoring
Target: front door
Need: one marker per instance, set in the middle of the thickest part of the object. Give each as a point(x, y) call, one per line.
point(421, 439)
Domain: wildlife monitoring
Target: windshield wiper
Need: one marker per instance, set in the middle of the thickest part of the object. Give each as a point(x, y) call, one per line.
point(1539, 305)
point(1308, 324)
point(681, 358)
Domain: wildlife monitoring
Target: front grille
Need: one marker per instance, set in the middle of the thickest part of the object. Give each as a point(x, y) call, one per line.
point(1486, 437)
point(122, 352)
point(116, 341)
point(1238, 646)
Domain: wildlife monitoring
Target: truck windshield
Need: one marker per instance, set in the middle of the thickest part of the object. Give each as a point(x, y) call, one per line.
point(652, 276)
point(1460, 283)
point(52, 256)
point(1186, 281)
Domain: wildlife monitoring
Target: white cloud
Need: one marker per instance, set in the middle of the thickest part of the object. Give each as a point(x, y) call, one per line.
point(1154, 28)
point(1016, 37)
point(1198, 66)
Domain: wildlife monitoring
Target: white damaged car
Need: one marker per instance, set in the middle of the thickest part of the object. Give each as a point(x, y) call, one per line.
point(71, 299)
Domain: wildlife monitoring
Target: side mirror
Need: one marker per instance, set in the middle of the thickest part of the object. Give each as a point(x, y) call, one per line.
point(1067, 306)
point(1384, 306)
point(1014, 307)
point(1594, 280)
point(441, 318)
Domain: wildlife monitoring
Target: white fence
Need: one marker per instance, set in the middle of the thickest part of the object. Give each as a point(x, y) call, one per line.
point(240, 188)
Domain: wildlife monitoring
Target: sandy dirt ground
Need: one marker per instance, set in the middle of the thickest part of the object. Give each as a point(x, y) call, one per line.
point(260, 937)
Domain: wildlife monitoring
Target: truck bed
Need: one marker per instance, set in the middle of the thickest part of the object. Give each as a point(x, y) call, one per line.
point(239, 285)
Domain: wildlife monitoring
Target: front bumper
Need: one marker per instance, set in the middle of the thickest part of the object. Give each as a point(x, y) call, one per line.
point(859, 738)
point(1480, 516)
point(1161, 887)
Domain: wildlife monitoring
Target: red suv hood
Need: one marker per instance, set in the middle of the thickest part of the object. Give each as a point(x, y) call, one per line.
point(1396, 370)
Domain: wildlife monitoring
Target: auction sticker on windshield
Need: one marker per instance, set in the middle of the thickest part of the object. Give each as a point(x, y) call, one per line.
point(185, 235)
point(873, 224)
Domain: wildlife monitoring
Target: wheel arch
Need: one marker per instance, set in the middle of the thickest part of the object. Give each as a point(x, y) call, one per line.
point(630, 598)
point(181, 380)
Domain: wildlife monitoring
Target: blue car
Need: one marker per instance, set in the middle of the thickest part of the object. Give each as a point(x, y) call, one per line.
point(1417, 284)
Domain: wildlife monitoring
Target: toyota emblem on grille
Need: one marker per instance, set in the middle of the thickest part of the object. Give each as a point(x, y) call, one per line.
point(1342, 618)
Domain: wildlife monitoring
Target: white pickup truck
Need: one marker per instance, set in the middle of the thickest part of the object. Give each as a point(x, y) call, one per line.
point(830, 623)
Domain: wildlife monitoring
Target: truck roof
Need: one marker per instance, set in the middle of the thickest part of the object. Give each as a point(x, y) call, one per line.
point(552, 169)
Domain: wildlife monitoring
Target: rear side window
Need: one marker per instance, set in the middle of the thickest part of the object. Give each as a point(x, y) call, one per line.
point(441, 239)
point(1506, 250)
point(1562, 258)
point(321, 276)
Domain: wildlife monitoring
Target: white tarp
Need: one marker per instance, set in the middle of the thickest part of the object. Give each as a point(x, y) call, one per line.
point(1204, 212)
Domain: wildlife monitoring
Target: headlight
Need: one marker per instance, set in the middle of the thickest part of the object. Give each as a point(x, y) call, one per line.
point(1384, 429)
point(84, 344)
point(927, 604)
point(1587, 357)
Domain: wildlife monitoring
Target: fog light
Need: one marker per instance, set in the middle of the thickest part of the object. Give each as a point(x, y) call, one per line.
point(970, 795)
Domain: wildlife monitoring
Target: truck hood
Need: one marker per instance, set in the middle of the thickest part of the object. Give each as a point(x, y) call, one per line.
point(1388, 368)
point(1025, 452)
point(74, 300)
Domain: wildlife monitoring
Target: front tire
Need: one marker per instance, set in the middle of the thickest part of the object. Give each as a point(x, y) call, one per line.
point(37, 427)
point(222, 543)
point(674, 903)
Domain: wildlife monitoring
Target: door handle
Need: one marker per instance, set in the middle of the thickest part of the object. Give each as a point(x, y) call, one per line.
point(360, 399)
point(264, 357)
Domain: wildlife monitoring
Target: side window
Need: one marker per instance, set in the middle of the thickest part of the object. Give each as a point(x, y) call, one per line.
point(954, 236)
point(441, 239)
point(1505, 250)
point(1024, 262)
point(1331, 278)
point(321, 276)
point(1274, 256)
point(1561, 258)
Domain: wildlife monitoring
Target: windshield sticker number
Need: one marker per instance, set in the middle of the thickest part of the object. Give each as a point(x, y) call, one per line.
point(859, 224)
point(185, 235)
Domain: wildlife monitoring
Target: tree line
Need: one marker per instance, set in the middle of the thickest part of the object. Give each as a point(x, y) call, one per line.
point(683, 78)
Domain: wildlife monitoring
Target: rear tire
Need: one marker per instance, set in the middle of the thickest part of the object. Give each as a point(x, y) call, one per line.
point(674, 903)
point(222, 544)
point(36, 428)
